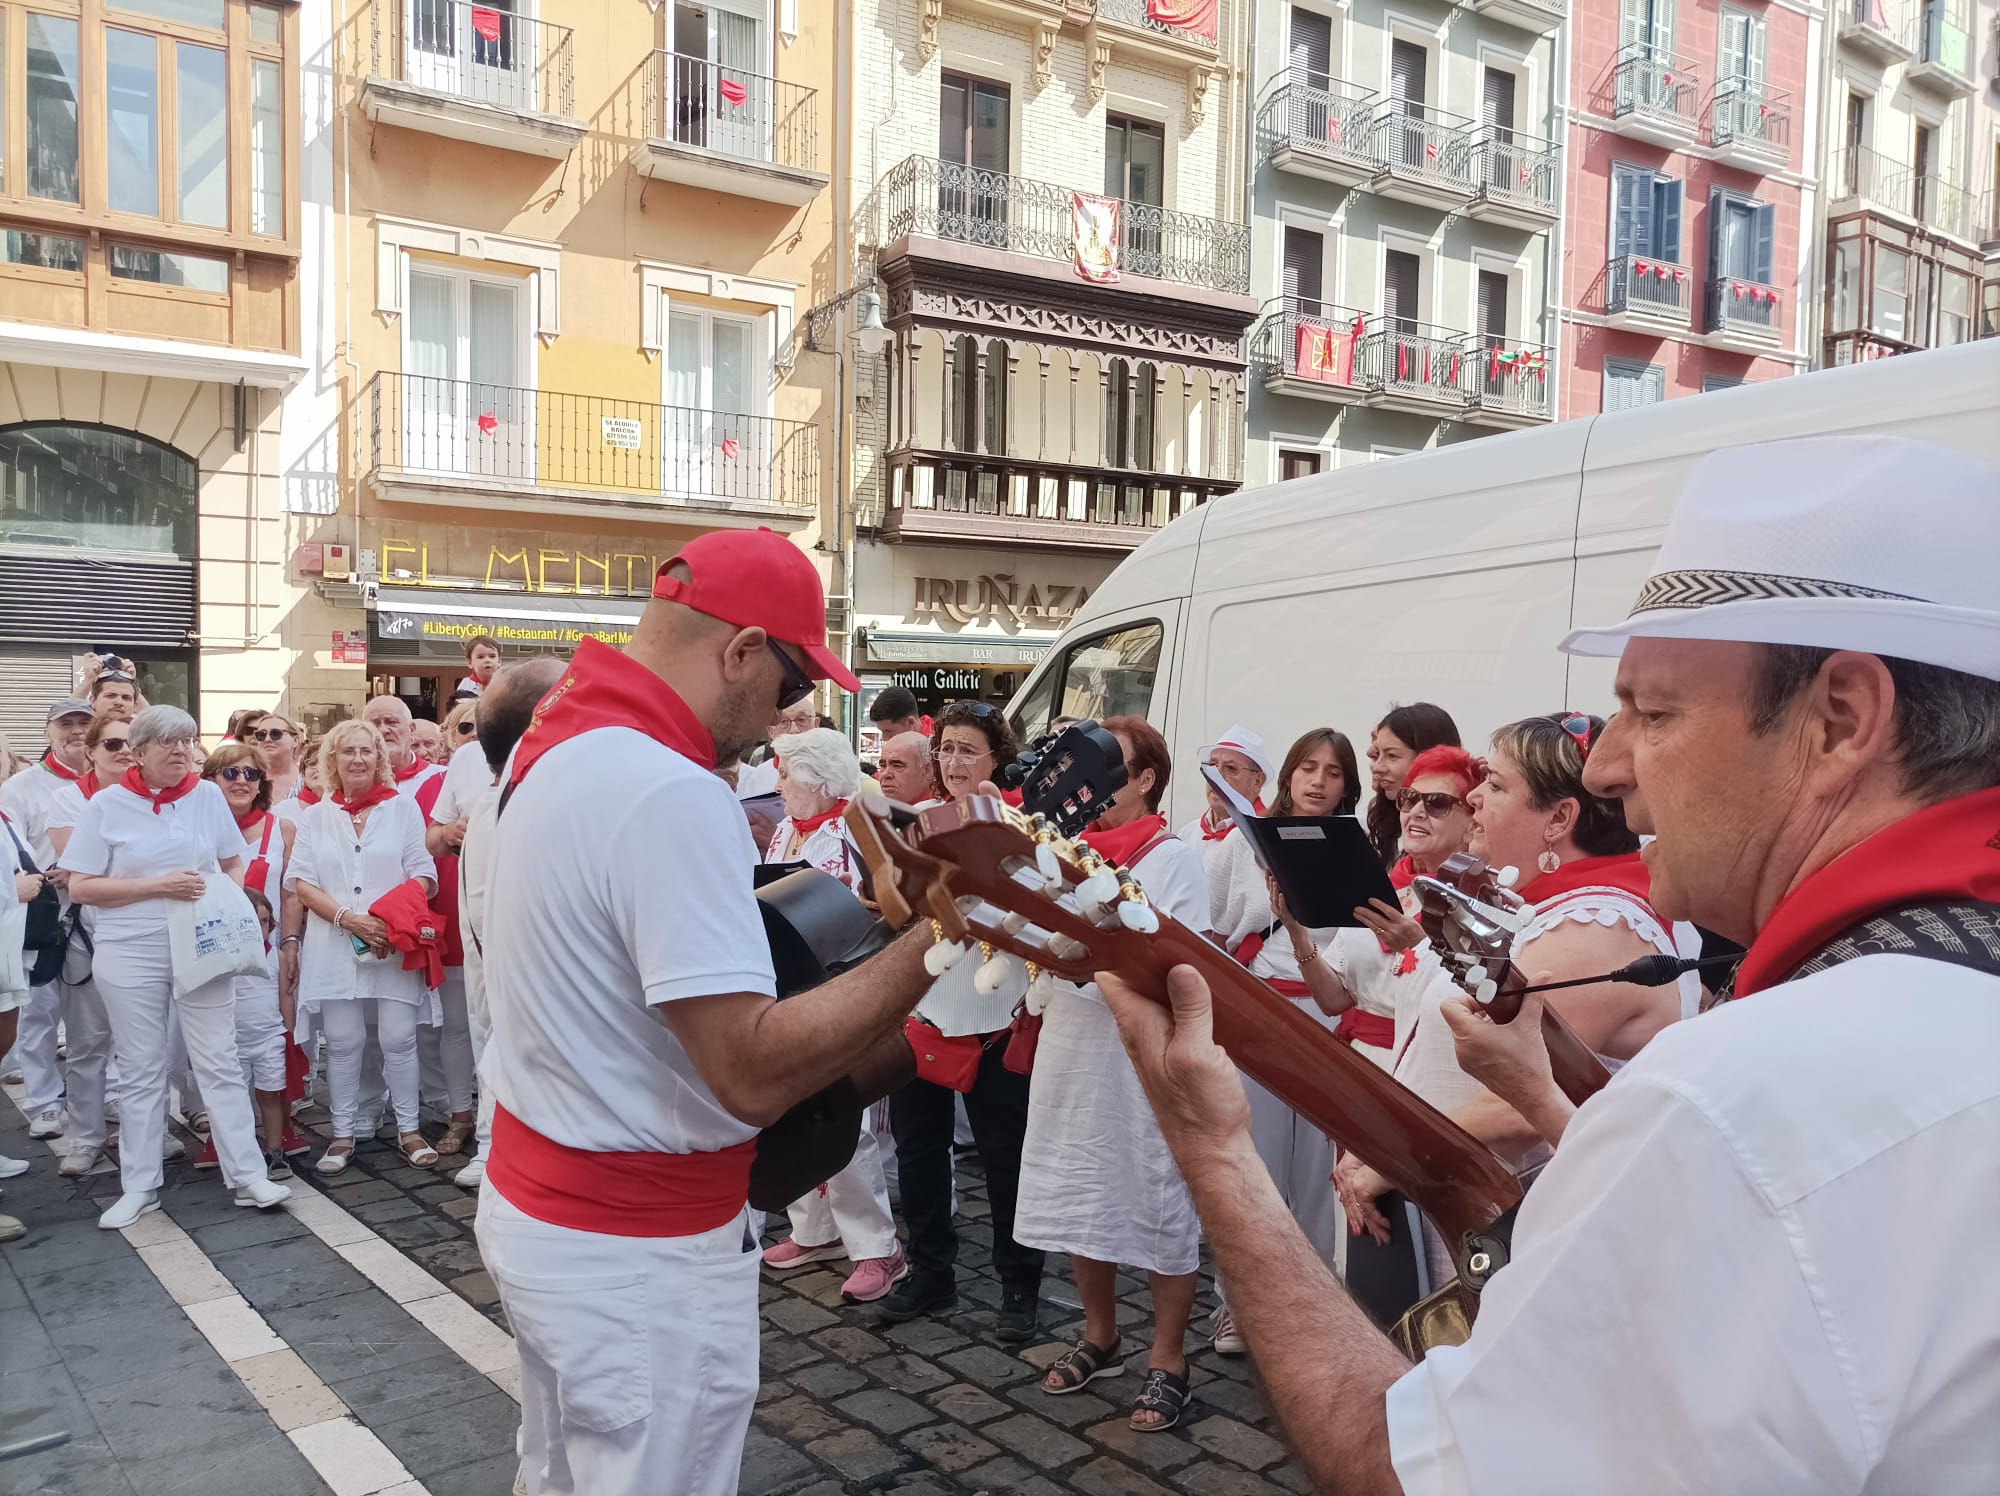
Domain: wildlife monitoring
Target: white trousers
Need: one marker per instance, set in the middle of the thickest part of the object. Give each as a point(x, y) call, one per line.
point(852, 1207)
point(1301, 1159)
point(87, 1059)
point(445, 1053)
point(478, 1032)
point(345, 1025)
point(35, 1049)
point(638, 1354)
point(136, 979)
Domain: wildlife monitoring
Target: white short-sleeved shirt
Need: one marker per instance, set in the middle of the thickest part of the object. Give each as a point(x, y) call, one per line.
point(356, 871)
point(621, 881)
point(1753, 1267)
point(67, 808)
point(29, 798)
point(466, 777)
point(119, 835)
point(475, 874)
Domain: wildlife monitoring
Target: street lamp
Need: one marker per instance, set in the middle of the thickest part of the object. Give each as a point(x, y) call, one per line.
point(870, 336)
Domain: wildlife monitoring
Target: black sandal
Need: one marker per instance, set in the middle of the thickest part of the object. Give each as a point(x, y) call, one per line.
point(1165, 1393)
point(1078, 1368)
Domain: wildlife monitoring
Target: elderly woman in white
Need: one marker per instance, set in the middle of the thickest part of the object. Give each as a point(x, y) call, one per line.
point(848, 1216)
point(153, 839)
point(353, 847)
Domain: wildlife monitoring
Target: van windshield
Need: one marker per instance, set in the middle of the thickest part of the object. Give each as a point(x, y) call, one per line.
point(1106, 675)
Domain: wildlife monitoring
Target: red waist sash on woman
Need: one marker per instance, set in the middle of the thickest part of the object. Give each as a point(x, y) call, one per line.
point(617, 1194)
point(1356, 1027)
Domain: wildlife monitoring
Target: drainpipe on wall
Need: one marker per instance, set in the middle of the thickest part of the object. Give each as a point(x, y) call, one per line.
point(1552, 294)
point(843, 514)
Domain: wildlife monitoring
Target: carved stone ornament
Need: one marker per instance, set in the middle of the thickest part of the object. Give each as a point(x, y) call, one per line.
point(1200, 75)
point(1096, 66)
point(930, 14)
point(1045, 52)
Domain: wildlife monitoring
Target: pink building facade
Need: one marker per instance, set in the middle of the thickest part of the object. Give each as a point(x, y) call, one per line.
point(1682, 259)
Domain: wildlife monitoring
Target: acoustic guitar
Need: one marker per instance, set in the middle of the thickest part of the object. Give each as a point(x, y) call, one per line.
point(1009, 887)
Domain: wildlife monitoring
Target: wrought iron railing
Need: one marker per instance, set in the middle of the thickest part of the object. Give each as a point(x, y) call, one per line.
point(1937, 203)
point(519, 438)
point(1868, 175)
point(1739, 304)
point(1654, 85)
point(1319, 115)
point(1510, 378)
point(1304, 338)
point(1649, 285)
point(948, 200)
point(1988, 218)
point(746, 116)
point(1944, 40)
point(474, 52)
point(1399, 356)
point(1415, 140)
point(1752, 117)
point(1139, 13)
point(1892, 20)
point(1511, 167)
point(1052, 493)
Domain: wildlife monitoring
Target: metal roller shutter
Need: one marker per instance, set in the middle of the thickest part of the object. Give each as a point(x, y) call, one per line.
point(71, 601)
point(30, 683)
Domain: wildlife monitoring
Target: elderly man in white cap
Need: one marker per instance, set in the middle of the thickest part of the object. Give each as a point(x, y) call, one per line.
point(1752, 1266)
point(1240, 757)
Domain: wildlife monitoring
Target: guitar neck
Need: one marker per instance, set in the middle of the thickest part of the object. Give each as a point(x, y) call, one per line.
point(1579, 1074)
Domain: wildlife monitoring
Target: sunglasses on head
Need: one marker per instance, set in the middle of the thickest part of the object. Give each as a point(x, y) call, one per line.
point(1582, 731)
point(980, 709)
point(248, 773)
point(797, 684)
point(1436, 802)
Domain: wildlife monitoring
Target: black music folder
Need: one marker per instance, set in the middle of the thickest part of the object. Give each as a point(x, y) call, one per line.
point(1324, 865)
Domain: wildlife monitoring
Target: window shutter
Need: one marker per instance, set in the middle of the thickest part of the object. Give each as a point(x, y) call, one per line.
point(1399, 286)
point(1756, 30)
point(1492, 304)
point(1662, 17)
point(1631, 211)
point(1634, 18)
point(1312, 46)
point(1718, 218)
point(1735, 30)
point(1406, 71)
point(1767, 238)
point(1667, 219)
point(1617, 387)
point(1305, 260)
point(1653, 388)
point(1498, 99)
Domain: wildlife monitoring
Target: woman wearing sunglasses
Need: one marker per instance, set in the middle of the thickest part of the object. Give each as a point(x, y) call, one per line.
point(277, 738)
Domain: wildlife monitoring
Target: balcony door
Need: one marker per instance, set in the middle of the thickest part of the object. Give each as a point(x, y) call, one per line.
point(1503, 159)
point(483, 51)
point(1135, 169)
point(713, 442)
point(1304, 273)
point(1409, 70)
point(1311, 48)
point(468, 403)
point(975, 150)
point(718, 95)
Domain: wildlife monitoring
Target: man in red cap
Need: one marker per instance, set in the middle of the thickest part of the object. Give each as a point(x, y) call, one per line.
point(635, 1047)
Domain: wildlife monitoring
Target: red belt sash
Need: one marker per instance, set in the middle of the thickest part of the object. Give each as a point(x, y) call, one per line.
point(1356, 1027)
point(1247, 951)
point(617, 1194)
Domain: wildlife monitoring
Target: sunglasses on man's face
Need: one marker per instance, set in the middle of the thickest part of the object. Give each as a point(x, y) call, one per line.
point(797, 684)
point(246, 773)
point(1436, 802)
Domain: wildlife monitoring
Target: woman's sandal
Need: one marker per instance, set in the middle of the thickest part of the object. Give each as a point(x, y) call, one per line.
point(456, 1135)
point(420, 1156)
point(1165, 1394)
point(1076, 1369)
point(337, 1157)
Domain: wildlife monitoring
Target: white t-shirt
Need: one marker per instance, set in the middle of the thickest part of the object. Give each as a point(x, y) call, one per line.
point(119, 835)
point(621, 881)
point(1752, 1268)
point(356, 871)
point(475, 873)
point(466, 777)
point(28, 797)
point(66, 809)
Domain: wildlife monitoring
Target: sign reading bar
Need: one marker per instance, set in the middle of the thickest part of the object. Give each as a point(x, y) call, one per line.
point(622, 432)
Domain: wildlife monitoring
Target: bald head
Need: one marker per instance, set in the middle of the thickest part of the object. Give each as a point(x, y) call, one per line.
point(389, 716)
point(508, 704)
point(905, 773)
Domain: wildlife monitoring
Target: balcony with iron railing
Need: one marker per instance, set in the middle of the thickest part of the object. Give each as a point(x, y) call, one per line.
point(1424, 154)
point(471, 72)
point(1131, 25)
point(941, 496)
point(1945, 53)
point(509, 450)
point(729, 130)
point(1742, 314)
point(1516, 178)
point(1884, 31)
point(1316, 125)
point(1750, 125)
point(1988, 220)
point(1508, 384)
point(961, 204)
point(1539, 16)
point(1655, 96)
point(1310, 348)
point(1867, 181)
point(1644, 293)
point(1413, 366)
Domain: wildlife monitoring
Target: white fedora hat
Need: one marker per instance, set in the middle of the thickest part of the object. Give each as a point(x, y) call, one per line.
point(1872, 543)
point(1240, 739)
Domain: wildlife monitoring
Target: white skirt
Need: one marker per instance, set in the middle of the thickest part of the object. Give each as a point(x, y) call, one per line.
point(1097, 1179)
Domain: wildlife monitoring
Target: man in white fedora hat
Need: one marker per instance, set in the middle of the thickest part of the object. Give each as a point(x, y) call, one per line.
point(1753, 1265)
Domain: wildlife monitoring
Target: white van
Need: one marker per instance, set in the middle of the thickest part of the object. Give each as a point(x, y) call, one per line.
point(1447, 576)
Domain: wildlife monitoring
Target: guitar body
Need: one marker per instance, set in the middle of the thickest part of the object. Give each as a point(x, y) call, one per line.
point(816, 929)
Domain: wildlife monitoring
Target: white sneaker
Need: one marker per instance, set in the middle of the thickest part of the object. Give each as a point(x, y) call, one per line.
point(173, 1148)
point(129, 1208)
point(1229, 1339)
point(46, 1123)
point(10, 1078)
point(111, 1111)
point(9, 1167)
point(79, 1161)
point(472, 1175)
point(11, 1228)
point(261, 1194)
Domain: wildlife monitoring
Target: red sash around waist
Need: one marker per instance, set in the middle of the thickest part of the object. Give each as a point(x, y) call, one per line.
point(617, 1194)
point(1357, 1027)
point(1247, 950)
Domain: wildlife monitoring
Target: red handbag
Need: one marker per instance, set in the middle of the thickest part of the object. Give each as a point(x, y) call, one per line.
point(951, 1062)
point(1022, 1037)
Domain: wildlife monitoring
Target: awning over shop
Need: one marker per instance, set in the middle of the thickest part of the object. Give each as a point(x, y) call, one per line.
point(953, 649)
point(434, 622)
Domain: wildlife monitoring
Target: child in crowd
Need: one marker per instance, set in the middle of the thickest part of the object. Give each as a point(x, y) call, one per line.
point(260, 1042)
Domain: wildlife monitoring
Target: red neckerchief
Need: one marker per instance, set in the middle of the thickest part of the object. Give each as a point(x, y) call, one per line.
point(605, 688)
point(57, 767)
point(412, 769)
point(88, 784)
point(806, 826)
point(1117, 845)
point(1208, 831)
point(136, 783)
point(375, 794)
point(1626, 872)
point(250, 818)
point(1404, 873)
point(308, 795)
point(1948, 851)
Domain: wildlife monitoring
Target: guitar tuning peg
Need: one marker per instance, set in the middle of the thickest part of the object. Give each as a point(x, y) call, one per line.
point(1041, 987)
point(1014, 922)
point(1049, 866)
point(942, 956)
point(1066, 948)
point(1134, 915)
point(1507, 877)
point(1101, 887)
point(1486, 992)
point(993, 972)
point(1475, 974)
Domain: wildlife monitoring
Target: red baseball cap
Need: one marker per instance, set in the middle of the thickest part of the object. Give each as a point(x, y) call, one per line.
point(757, 579)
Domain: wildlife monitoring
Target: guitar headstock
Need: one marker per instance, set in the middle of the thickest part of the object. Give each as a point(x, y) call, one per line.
point(1002, 881)
point(1471, 915)
point(1069, 777)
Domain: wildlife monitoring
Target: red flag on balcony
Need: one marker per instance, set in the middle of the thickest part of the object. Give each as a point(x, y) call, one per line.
point(1680, 274)
point(1093, 231)
point(1454, 366)
point(1430, 150)
point(1772, 297)
point(1333, 129)
point(730, 448)
point(1640, 267)
point(1764, 111)
point(1739, 292)
point(486, 22)
point(733, 91)
point(1196, 17)
point(1402, 360)
point(488, 422)
point(1323, 354)
point(1661, 271)
point(1667, 80)
point(1524, 174)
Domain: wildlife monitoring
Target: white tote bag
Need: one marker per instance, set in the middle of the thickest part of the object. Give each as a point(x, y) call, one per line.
point(217, 935)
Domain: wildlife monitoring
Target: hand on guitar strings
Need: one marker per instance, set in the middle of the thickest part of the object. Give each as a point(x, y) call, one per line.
point(1194, 1087)
point(1359, 1187)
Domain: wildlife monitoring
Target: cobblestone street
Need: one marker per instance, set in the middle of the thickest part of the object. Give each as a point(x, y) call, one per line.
point(353, 1343)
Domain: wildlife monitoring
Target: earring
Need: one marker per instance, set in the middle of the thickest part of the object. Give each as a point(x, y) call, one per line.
point(1548, 862)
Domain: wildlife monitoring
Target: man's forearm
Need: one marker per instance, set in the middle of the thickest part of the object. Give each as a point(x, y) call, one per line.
point(1500, 1127)
point(1326, 1367)
point(804, 1044)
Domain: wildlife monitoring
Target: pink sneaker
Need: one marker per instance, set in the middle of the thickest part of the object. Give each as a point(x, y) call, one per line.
point(789, 1254)
point(873, 1277)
